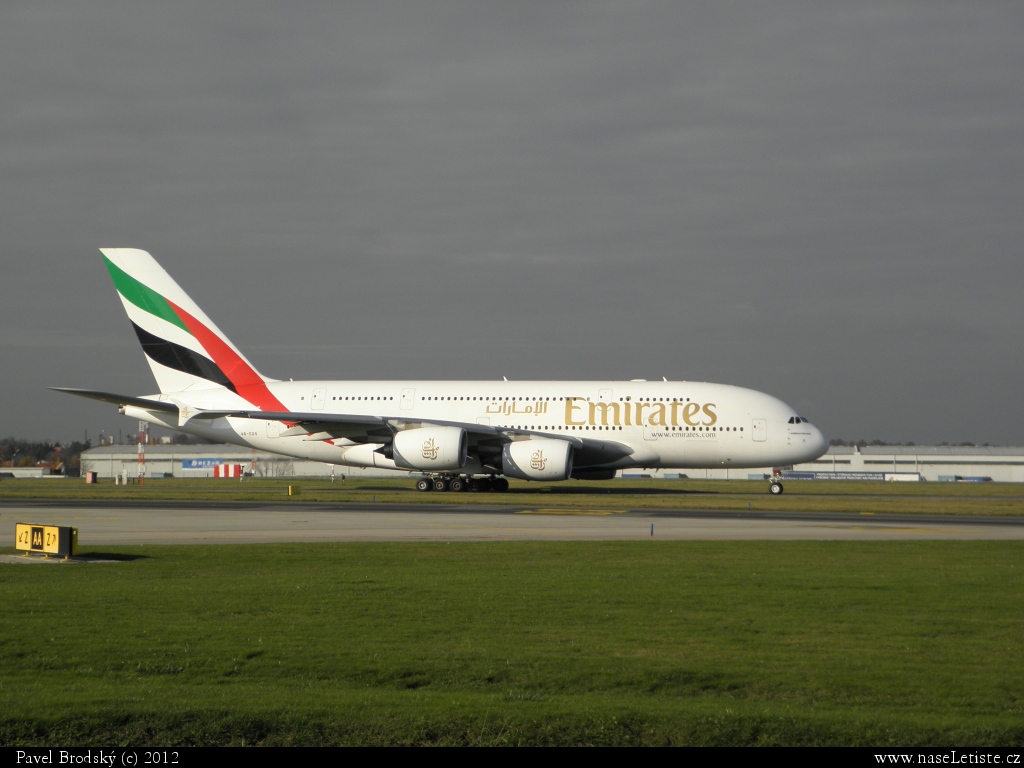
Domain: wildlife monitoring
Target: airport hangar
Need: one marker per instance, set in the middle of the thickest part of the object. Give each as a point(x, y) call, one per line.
point(928, 463)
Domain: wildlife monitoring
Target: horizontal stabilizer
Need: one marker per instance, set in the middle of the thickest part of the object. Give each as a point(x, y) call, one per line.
point(111, 397)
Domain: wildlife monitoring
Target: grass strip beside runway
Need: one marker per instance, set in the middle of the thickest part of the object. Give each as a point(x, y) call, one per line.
point(988, 499)
point(527, 642)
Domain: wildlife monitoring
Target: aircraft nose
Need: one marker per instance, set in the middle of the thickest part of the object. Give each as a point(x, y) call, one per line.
point(822, 441)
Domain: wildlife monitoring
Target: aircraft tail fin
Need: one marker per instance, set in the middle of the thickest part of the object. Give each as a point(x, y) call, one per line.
point(184, 348)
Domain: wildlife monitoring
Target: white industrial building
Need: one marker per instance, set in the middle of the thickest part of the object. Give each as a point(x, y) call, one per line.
point(15, 473)
point(931, 463)
point(203, 460)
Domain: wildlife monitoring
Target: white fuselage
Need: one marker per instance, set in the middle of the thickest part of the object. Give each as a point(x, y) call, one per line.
point(665, 424)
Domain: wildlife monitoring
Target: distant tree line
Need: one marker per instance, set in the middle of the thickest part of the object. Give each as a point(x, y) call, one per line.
point(62, 458)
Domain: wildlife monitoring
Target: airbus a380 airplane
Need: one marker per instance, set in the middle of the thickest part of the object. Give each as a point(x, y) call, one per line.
point(459, 434)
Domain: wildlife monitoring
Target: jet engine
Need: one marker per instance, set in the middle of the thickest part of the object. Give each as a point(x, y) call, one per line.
point(538, 458)
point(438, 449)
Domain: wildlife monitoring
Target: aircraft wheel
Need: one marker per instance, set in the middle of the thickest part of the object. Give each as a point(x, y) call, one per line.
point(500, 484)
point(457, 485)
point(476, 485)
point(424, 484)
point(440, 484)
point(775, 489)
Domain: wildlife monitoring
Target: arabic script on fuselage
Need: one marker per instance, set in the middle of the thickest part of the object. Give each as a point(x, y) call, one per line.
point(582, 412)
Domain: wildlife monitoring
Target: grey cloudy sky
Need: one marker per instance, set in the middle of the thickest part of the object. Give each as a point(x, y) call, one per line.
point(821, 201)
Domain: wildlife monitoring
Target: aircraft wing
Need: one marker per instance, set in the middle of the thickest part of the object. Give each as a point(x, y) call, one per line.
point(483, 438)
point(351, 424)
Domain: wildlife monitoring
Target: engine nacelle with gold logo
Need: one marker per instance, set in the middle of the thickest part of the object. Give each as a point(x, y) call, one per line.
point(538, 458)
point(431, 448)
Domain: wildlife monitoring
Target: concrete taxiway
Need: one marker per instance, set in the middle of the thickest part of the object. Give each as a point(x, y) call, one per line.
point(119, 523)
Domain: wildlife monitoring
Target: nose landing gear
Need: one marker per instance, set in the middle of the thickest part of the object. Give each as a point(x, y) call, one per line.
point(775, 489)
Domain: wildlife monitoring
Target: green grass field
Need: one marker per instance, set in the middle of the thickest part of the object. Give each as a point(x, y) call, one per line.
point(907, 643)
point(822, 496)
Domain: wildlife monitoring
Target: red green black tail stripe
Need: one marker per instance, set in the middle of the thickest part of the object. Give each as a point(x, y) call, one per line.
point(180, 358)
point(224, 365)
point(244, 380)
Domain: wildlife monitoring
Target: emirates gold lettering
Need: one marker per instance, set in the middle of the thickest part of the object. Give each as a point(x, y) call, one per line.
point(570, 406)
point(580, 412)
point(604, 408)
point(689, 411)
point(640, 413)
point(658, 417)
point(710, 413)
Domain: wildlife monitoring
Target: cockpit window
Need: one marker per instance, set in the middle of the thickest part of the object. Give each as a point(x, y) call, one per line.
point(798, 420)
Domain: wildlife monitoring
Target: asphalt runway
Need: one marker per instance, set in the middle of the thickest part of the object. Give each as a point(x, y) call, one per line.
point(119, 523)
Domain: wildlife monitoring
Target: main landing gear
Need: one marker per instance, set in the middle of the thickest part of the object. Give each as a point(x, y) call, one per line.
point(459, 483)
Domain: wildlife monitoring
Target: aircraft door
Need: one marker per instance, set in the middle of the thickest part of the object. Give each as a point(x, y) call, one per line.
point(760, 430)
point(319, 395)
point(408, 398)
